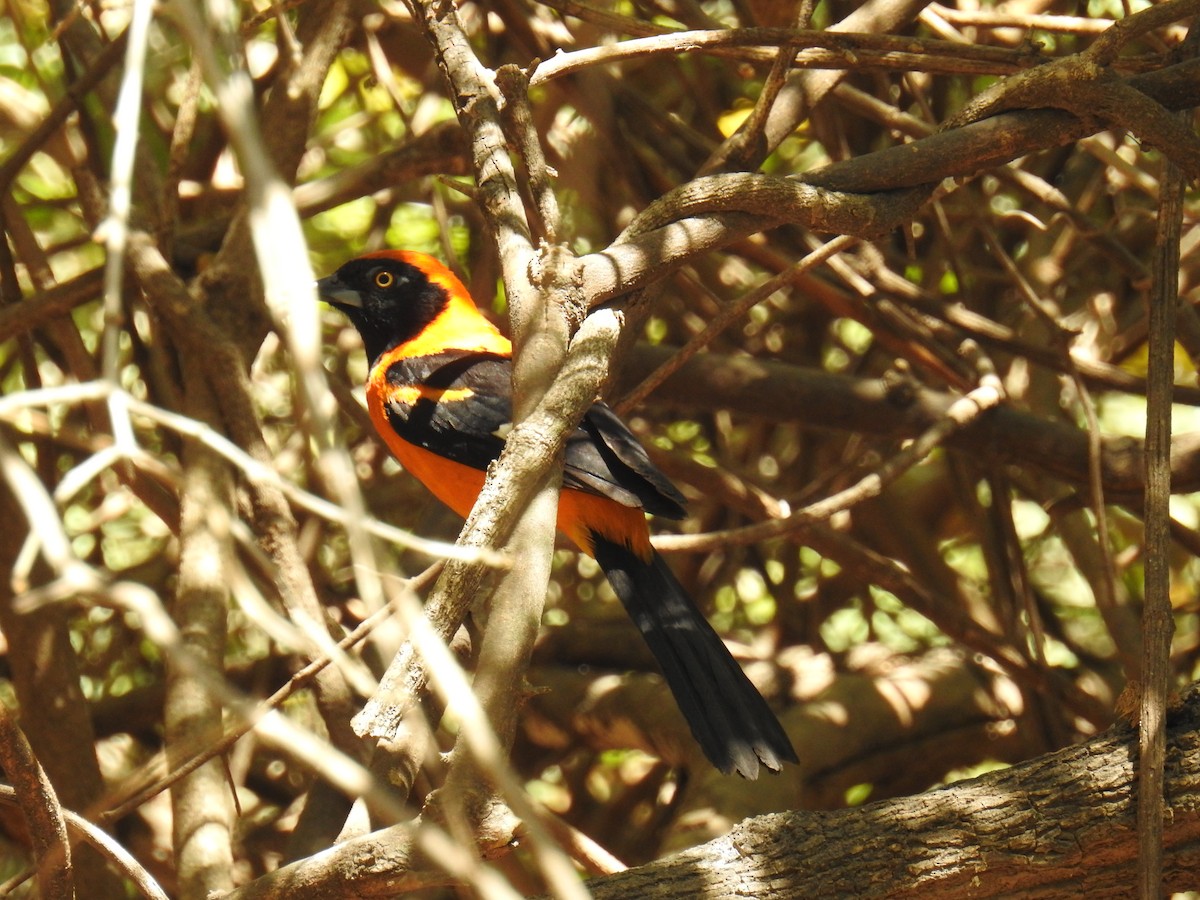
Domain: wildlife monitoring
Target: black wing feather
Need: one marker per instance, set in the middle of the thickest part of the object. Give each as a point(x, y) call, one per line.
point(468, 432)
point(602, 456)
point(621, 454)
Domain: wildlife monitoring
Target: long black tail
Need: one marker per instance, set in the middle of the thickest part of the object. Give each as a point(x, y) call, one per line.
point(728, 717)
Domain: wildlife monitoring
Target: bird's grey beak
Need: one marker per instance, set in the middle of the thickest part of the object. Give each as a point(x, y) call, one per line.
point(333, 291)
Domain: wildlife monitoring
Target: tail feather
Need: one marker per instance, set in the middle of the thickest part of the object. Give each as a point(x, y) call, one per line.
point(730, 720)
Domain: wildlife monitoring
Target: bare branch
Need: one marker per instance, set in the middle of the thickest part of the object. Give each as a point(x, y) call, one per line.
point(1086, 791)
point(39, 805)
point(1158, 622)
point(124, 862)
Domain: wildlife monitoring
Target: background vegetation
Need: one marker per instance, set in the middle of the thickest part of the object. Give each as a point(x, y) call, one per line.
point(914, 463)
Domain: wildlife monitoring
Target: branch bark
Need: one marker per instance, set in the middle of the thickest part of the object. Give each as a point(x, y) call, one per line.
point(1158, 622)
point(202, 802)
point(39, 805)
point(863, 196)
point(1062, 824)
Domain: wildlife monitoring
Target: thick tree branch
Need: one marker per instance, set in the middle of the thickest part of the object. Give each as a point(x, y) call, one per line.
point(971, 148)
point(201, 803)
point(1064, 823)
point(862, 196)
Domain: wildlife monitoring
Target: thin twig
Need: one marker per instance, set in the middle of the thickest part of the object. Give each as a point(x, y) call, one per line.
point(822, 49)
point(1025, 21)
point(100, 68)
point(962, 413)
point(746, 147)
point(140, 795)
point(12, 405)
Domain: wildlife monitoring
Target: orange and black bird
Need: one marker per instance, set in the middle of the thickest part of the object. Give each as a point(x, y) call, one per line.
point(440, 394)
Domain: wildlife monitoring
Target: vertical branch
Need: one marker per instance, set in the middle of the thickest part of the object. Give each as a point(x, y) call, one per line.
point(44, 668)
point(514, 84)
point(202, 808)
point(540, 338)
point(1158, 623)
point(39, 804)
point(268, 152)
point(281, 252)
point(533, 451)
point(116, 227)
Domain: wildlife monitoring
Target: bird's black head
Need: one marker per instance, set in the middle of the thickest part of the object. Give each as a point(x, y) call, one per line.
point(390, 297)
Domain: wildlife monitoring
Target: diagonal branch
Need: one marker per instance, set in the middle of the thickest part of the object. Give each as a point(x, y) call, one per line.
point(862, 196)
point(777, 392)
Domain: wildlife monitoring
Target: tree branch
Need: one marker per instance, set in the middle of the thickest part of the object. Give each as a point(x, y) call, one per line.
point(1063, 823)
point(202, 805)
point(863, 196)
point(105, 845)
point(779, 392)
point(39, 806)
point(1158, 622)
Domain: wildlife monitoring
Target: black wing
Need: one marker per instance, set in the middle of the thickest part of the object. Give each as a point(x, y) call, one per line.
point(463, 411)
point(603, 456)
point(462, 407)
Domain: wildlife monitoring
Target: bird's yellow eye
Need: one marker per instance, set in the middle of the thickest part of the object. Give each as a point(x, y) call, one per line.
point(384, 279)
